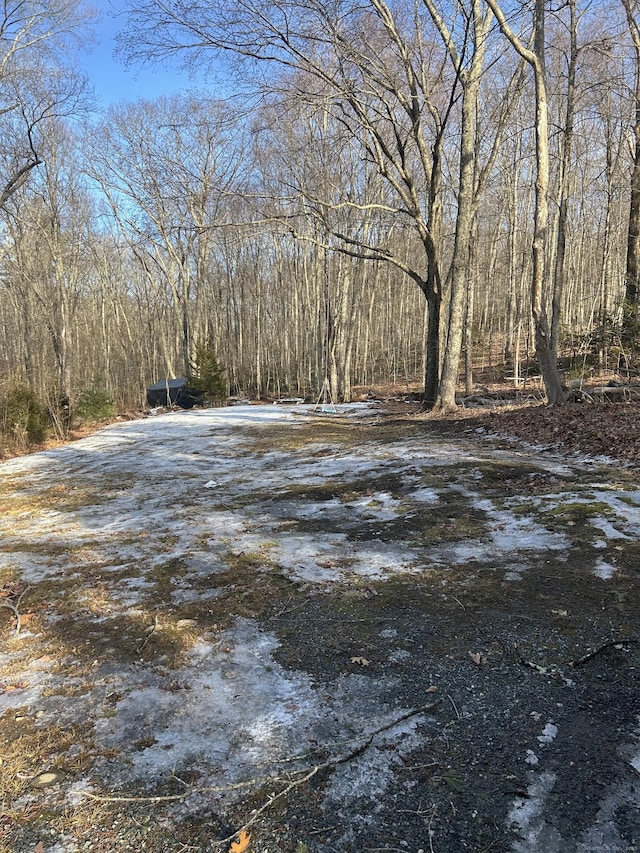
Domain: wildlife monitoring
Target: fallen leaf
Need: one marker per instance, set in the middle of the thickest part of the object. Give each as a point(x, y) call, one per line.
point(476, 657)
point(17, 685)
point(242, 844)
point(45, 779)
point(39, 848)
point(361, 661)
point(432, 689)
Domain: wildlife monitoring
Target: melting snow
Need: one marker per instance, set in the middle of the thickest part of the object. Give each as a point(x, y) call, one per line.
point(604, 570)
point(549, 734)
point(527, 817)
point(182, 486)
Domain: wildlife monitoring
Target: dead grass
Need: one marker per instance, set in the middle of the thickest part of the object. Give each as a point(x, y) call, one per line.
point(29, 751)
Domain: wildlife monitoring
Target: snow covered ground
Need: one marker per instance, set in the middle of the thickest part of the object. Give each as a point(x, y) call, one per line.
point(140, 522)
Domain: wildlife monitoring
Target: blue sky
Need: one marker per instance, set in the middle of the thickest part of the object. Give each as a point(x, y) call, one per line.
point(112, 81)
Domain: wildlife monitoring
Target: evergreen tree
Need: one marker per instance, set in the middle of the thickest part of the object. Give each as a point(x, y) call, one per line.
point(207, 377)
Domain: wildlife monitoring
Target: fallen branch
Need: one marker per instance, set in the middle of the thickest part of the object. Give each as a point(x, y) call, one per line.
point(551, 670)
point(541, 670)
point(169, 798)
point(289, 783)
point(14, 608)
point(599, 649)
point(271, 800)
point(331, 762)
point(554, 669)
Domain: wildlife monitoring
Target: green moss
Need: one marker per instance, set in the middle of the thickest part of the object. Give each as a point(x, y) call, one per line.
point(577, 512)
point(471, 525)
point(633, 502)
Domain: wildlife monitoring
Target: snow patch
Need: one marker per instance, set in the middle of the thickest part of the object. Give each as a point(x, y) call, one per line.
point(526, 816)
point(604, 570)
point(549, 734)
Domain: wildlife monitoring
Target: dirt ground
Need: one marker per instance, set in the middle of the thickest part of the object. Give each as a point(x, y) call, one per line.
point(318, 631)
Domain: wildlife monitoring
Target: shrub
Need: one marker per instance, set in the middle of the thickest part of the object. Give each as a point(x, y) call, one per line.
point(23, 418)
point(95, 404)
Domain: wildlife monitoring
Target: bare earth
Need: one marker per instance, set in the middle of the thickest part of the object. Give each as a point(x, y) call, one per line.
point(354, 630)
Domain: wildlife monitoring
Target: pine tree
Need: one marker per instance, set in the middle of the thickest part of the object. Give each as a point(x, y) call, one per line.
point(207, 377)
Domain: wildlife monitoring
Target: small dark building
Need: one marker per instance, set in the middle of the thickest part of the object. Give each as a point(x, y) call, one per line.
point(172, 392)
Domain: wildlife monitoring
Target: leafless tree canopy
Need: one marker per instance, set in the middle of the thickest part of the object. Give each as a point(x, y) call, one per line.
point(392, 187)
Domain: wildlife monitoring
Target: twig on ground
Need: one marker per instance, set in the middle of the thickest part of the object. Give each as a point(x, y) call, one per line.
point(15, 608)
point(554, 670)
point(271, 800)
point(455, 707)
point(289, 783)
point(286, 609)
point(382, 849)
point(385, 728)
point(541, 670)
point(624, 642)
point(150, 631)
point(431, 831)
point(169, 798)
point(331, 762)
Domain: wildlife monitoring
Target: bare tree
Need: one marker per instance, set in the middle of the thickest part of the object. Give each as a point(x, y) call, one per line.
point(166, 169)
point(46, 262)
point(545, 346)
point(38, 82)
point(376, 71)
point(468, 62)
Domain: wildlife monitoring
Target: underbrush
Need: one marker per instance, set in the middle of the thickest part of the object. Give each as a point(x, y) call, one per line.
point(27, 422)
point(24, 420)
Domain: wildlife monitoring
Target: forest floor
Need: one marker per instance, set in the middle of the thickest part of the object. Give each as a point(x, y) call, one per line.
point(299, 631)
point(610, 429)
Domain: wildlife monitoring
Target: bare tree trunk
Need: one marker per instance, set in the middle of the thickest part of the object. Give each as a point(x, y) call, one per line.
point(632, 283)
point(565, 177)
point(470, 80)
point(514, 228)
point(545, 353)
point(472, 276)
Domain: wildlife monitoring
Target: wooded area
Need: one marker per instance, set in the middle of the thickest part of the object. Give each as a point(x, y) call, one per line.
point(393, 191)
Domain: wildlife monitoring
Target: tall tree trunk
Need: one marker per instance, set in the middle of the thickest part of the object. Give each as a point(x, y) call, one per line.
point(545, 353)
point(468, 319)
point(470, 80)
point(565, 177)
point(431, 286)
point(632, 283)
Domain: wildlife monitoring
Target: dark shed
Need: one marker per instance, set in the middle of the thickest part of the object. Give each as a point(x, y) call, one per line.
point(172, 392)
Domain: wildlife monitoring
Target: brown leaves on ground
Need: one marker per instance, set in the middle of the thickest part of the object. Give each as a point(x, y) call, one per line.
point(242, 843)
point(594, 429)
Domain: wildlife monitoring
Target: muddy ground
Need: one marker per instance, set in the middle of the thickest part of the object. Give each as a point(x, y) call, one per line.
point(332, 631)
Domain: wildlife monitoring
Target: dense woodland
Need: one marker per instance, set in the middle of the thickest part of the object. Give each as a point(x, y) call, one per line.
point(363, 192)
